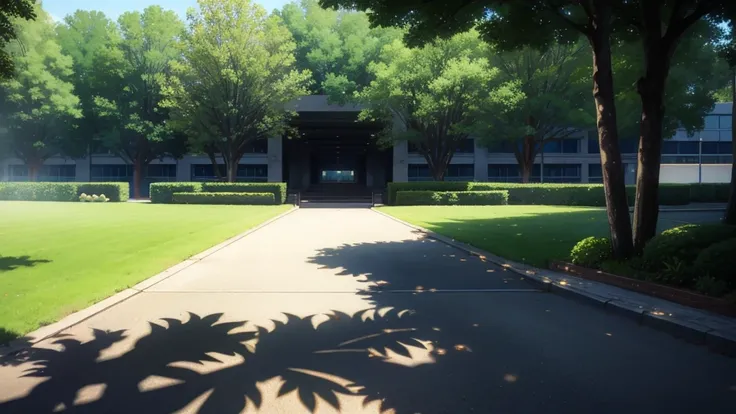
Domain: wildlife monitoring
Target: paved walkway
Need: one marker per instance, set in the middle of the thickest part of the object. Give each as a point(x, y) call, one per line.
point(348, 311)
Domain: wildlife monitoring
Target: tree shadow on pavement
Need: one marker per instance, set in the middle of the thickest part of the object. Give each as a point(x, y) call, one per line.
point(414, 349)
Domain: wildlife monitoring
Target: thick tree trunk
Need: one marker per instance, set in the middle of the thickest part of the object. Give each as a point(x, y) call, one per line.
point(526, 158)
point(730, 217)
point(215, 165)
point(232, 170)
point(614, 187)
point(438, 172)
point(33, 168)
point(137, 173)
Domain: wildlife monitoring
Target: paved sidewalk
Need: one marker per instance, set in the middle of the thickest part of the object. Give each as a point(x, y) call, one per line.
point(345, 310)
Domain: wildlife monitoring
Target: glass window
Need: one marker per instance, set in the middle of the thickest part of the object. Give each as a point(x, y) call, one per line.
point(205, 172)
point(595, 173)
point(724, 135)
point(670, 147)
point(501, 146)
point(725, 148)
point(254, 172)
point(552, 147)
point(257, 147)
point(711, 122)
point(687, 147)
point(559, 173)
point(593, 147)
point(504, 172)
point(464, 171)
point(725, 121)
point(570, 146)
point(161, 171)
point(629, 145)
point(710, 147)
point(111, 172)
point(419, 172)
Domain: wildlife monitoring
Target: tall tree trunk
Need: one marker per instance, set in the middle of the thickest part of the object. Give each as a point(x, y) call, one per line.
point(730, 217)
point(215, 165)
point(33, 168)
point(526, 157)
point(614, 187)
point(438, 171)
point(137, 172)
point(232, 170)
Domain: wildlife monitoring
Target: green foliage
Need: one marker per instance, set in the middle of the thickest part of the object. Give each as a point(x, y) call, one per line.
point(38, 104)
point(437, 92)
point(223, 198)
point(669, 194)
point(449, 198)
point(163, 192)
point(336, 46)
point(277, 189)
point(718, 261)
point(12, 11)
point(711, 286)
point(680, 246)
point(591, 252)
point(114, 191)
point(237, 73)
point(709, 192)
point(31, 191)
point(39, 191)
point(393, 188)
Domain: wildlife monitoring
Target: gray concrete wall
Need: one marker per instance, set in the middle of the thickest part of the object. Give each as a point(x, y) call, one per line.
point(275, 158)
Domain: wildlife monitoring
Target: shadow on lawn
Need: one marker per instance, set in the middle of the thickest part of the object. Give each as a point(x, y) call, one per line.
point(8, 263)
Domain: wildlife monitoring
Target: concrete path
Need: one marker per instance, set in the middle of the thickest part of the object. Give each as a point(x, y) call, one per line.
point(344, 310)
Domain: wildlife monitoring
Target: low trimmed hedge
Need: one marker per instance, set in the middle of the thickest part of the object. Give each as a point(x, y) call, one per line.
point(43, 191)
point(545, 194)
point(223, 198)
point(683, 244)
point(113, 191)
point(278, 189)
point(449, 198)
point(710, 192)
point(164, 192)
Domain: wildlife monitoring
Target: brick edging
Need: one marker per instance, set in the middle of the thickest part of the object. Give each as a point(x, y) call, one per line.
point(696, 334)
point(78, 317)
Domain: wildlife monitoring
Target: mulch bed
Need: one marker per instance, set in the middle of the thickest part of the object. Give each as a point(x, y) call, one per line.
point(683, 297)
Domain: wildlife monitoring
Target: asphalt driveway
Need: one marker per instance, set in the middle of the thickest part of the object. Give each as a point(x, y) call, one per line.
point(345, 310)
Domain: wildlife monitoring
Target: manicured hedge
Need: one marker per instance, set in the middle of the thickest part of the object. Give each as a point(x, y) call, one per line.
point(447, 198)
point(546, 194)
point(683, 244)
point(42, 191)
point(709, 192)
point(223, 198)
point(113, 191)
point(393, 188)
point(278, 189)
point(163, 192)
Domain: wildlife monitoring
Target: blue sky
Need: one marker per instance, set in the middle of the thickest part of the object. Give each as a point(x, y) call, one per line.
point(113, 8)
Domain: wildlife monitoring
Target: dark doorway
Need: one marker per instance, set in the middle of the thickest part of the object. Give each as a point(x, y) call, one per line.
point(335, 155)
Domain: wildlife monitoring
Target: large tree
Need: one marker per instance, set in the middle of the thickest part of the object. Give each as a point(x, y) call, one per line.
point(83, 36)
point(554, 83)
point(237, 74)
point(335, 46)
point(437, 92)
point(658, 25)
point(38, 102)
point(728, 53)
point(10, 12)
point(132, 71)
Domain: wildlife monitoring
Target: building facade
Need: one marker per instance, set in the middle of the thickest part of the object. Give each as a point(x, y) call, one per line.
point(333, 147)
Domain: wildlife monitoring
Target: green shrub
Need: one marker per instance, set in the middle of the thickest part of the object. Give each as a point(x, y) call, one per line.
point(718, 261)
point(549, 194)
point(223, 198)
point(711, 286)
point(35, 191)
point(709, 192)
point(447, 198)
point(393, 188)
point(591, 252)
point(683, 244)
point(163, 192)
point(113, 191)
point(278, 189)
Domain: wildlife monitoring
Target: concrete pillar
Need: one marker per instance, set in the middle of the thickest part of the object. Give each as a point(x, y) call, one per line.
point(400, 164)
point(82, 173)
point(584, 170)
point(480, 163)
point(184, 169)
point(275, 157)
point(4, 173)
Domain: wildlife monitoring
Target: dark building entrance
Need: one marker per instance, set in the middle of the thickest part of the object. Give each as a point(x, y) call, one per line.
point(335, 157)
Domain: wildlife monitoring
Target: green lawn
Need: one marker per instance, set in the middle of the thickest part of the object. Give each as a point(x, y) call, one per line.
point(529, 234)
point(57, 258)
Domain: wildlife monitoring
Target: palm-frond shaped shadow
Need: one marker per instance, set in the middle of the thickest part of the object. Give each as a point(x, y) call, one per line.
point(343, 355)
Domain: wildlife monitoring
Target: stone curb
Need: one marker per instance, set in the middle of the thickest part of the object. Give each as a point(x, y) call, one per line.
point(78, 317)
point(658, 316)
